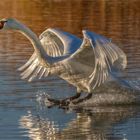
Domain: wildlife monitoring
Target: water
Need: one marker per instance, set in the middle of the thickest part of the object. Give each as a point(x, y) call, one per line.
point(22, 117)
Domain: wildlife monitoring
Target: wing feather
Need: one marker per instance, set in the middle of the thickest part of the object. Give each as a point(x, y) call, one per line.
point(52, 43)
point(106, 56)
point(27, 63)
point(56, 43)
point(33, 69)
point(53, 47)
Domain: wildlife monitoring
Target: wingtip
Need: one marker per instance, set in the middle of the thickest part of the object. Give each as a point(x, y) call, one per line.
point(85, 34)
point(84, 31)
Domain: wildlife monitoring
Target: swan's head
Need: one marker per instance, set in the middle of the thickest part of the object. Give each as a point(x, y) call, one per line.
point(9, 24)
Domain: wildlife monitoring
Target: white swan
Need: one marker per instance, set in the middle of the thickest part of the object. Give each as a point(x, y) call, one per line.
point(86, 63)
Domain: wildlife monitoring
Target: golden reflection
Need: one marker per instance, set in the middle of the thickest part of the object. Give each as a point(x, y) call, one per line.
point(38, 128)
point(90, 124)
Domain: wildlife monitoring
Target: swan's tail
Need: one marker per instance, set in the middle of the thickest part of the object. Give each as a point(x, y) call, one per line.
point(32, 69)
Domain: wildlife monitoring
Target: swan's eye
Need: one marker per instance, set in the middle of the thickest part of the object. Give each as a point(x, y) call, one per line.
point(2, 22)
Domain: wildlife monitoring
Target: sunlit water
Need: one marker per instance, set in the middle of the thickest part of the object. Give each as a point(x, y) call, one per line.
point(23, 114)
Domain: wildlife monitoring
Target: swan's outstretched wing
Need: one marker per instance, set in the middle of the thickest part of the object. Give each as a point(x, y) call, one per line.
point(105, 57)
point(51, 43)
point(56, 43)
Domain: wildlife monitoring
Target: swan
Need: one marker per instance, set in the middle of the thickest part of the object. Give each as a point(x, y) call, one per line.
point(85, 63)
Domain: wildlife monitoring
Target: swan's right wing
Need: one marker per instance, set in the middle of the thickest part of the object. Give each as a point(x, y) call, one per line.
point(96, 58)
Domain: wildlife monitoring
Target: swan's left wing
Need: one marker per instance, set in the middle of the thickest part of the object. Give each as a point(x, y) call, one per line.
point(57, 44)
point(106, 57)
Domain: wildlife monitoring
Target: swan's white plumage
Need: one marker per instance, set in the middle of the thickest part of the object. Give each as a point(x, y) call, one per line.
point(93, 62)
point(56, 43)
point(85, 64)
point(106, 54)
point(52, 43)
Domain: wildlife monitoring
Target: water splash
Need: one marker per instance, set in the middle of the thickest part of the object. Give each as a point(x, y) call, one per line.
point(108, 94)
point(42, 100)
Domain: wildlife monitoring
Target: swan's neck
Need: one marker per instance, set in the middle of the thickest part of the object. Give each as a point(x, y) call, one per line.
point(35, 42)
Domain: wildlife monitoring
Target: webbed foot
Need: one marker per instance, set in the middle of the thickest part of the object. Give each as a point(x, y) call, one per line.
point(62, 103)
point(68, 102)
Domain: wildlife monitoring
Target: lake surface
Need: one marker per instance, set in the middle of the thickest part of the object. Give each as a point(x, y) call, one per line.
point(22, 114)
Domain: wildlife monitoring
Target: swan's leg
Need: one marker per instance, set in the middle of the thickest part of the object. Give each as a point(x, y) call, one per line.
point(83, 99)
point(64, 102)
point(67, 100)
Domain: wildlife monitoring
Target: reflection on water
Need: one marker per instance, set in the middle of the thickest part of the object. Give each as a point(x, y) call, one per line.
point(20, 117)
point(39, 128)
point(89, 124)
